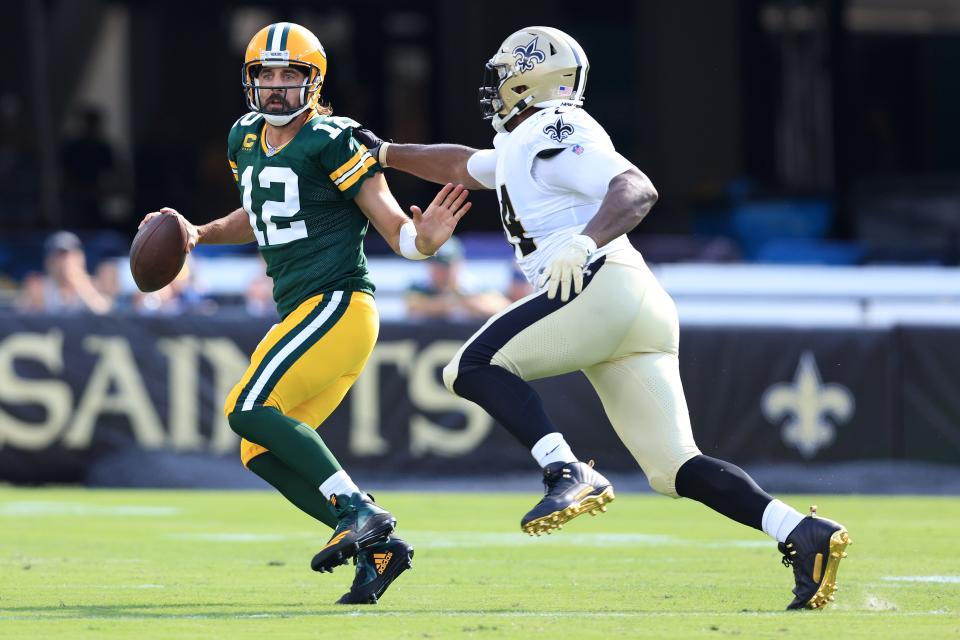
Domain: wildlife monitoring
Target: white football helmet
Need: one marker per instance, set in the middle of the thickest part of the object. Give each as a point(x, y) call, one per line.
point(534, 67)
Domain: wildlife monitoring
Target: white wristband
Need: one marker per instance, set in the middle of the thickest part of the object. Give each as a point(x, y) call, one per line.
point(408, 242)
point(382, 154)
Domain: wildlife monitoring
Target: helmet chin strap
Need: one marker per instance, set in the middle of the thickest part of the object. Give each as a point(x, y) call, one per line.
point(500, 123)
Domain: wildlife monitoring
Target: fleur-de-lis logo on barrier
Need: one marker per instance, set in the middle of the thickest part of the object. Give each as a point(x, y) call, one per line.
point(528, 55)
point(806, 403)
point(558, 130)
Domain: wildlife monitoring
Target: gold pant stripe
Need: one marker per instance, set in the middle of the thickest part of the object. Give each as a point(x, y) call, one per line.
point(276, 334)
point(277, 361)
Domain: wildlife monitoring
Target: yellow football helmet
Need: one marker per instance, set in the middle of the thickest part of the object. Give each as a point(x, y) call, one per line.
point(534, 67)
point(285, 44)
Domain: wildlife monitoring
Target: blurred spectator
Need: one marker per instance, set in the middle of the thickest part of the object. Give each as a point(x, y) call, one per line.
point(447, 295)
point(519, 287)
point(66, 287)
point(258, 298)
point(91, 177)
point(180, 296)
point(106, 278)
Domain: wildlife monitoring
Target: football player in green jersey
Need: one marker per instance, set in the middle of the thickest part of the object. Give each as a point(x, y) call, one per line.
point(309, 189)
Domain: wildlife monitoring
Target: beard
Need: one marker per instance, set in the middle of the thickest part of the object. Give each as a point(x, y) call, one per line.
point(277, 103)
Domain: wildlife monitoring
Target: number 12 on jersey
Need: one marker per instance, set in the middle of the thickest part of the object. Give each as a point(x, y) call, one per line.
point(516, 234)
point(271, 210)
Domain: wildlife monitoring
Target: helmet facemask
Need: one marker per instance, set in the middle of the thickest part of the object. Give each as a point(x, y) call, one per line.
point(309, 90)
point(493, 77)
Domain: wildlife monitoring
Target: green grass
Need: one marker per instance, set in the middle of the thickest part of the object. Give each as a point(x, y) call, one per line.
point(145, 564)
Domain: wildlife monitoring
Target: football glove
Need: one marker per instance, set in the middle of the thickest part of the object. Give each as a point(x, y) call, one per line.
point(371, 141)
point(567, 267)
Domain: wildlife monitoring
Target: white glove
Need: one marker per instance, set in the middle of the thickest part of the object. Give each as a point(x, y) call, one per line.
point(568, 266)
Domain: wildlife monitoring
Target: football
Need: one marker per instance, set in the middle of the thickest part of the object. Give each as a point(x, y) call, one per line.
point(157, 253)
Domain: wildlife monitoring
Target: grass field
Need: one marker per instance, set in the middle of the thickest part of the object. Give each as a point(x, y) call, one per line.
point(158, 564)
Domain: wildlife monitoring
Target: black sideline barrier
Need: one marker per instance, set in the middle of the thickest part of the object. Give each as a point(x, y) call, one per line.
point(80, 392)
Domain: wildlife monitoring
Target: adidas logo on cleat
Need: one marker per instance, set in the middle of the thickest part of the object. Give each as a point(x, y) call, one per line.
point(381, 560)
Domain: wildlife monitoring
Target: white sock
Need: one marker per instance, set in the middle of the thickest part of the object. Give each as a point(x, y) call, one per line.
point(552, 448)
point(779, 520)
point(339, 484)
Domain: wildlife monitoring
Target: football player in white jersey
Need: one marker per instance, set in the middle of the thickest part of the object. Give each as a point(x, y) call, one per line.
point(567, 200)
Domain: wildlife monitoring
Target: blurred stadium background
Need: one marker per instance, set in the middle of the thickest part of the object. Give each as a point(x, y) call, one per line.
point(808, 227)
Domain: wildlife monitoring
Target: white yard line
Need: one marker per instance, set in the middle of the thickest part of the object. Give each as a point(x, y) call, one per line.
point(940, 579)
point(46, 508)
point(474, 539)
point(242, 536)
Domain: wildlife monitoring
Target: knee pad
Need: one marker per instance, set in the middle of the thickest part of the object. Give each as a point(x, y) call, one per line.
point(469, 358)
point(237, 422)
point(663, 478)
point(450, 374)
point(244, 423)
point(663, 484)
point(249, 451)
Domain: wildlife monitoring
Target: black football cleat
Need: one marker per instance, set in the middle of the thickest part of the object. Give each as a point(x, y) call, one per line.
point(377, 568)
point(571, 489)
point(362, 524)
point(814, 550)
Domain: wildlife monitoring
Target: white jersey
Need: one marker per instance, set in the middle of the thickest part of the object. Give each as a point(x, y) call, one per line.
point(551, 174)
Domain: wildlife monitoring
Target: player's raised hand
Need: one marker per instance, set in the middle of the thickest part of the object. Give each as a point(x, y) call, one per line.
point(436, 224)
point(566, 267)
point(192, 234)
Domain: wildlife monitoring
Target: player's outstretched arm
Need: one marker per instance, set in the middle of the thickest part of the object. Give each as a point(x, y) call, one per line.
point(420, 237)
point(439, 163)
point(233, 228)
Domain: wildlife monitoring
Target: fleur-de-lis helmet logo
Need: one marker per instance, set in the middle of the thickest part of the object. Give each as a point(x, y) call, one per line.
point(528, 56)
point(558, 130)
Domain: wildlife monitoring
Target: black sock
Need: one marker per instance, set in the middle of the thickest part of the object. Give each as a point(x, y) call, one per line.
point(725, 488)
point(511, 401)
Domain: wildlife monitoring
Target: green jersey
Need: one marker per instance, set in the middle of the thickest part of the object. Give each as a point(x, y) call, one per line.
point(300, 203)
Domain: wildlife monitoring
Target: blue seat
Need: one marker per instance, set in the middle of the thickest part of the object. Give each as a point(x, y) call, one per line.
point(25, 253)
point(757, 223)
point(217, 250)
point(807, 251)
point(488, 245)
point(104, 244)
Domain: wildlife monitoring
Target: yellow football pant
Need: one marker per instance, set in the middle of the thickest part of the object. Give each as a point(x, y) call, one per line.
point(305, 365)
